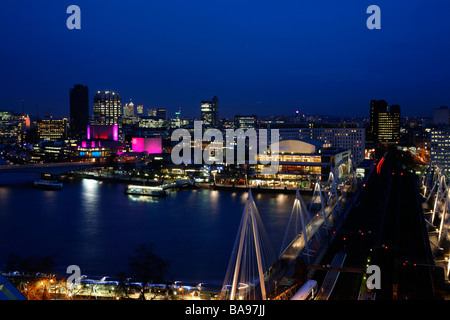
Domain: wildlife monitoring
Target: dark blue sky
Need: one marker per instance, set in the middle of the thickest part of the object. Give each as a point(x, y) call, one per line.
point(263, 57)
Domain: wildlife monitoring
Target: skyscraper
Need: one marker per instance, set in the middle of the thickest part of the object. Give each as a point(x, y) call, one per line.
point(389, 125)
point(107, 108)
point(210, 112)
point(384, 123)
point(79, 110)
point(128, 109)
point(375, 108)
point(140, 110)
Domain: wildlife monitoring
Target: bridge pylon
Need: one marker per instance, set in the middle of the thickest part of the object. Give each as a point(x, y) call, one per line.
point(436, 192)
point(298, 220)
point(252, 255)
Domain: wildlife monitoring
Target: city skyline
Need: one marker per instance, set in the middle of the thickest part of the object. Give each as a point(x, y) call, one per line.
point(261, 57)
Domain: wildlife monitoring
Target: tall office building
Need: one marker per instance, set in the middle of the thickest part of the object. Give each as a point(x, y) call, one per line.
point(245, 122)
point(52, 129)
point(157, 113)
point(79, 110)
point(440, 147)
point(440, 138)
point(128, 109)
point(389, 125)
point(210, 113)
point(107, 108)
point(376, 106)
point(384, 125)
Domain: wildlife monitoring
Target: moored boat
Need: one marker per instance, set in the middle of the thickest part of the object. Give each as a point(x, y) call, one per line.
point(145, 191)
point(48, 184)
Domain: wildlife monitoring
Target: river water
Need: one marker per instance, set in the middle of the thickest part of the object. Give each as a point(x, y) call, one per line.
point(94, 225)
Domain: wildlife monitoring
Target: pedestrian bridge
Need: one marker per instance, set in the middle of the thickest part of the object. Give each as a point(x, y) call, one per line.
point(253, 271)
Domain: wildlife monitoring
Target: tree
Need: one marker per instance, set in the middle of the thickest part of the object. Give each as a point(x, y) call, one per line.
point(147, 266)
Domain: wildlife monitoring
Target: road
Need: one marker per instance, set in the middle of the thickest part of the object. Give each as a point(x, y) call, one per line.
point(385, 228)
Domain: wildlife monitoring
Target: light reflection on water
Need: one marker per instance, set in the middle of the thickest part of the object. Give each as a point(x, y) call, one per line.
point(97, 226)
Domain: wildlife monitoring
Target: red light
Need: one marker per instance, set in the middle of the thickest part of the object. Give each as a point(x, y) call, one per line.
point(401, 173)
point(344, 239)
point(362, 233)
point(393, 173)
point(386, 247)
point(364, 185)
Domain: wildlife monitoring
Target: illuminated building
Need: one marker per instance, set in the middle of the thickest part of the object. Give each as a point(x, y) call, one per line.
point(388, 130)
point(441, 116)
point(384, 124)
point(99, 150)
point(245, 122)
point(107, 108)
point(158, 113)
point(349, 136)
point(149, 145)
point(102, 142)
point(79, 110)
point(210, 113)
point(301, 162)
point(52, 129)
point(376, 106)
point(128, 109)
point(140, 110)
point(105, 132)
point(440, 147)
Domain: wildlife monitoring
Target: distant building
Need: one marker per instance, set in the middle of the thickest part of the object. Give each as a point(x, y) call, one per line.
point(148, 145)
point(441, 116)
point(245, 122)
point(105, 132)
point(349, 136)
point(440, 147)
point(210, 113)
point(52, 129)
point(158, 113)
point(376, 106)
point(384, 125)
point(389, 125)
point(102, 142)
point(107, 108)
point(301, 162)
point(140, 110)
point(128, 109)
point(79, 110)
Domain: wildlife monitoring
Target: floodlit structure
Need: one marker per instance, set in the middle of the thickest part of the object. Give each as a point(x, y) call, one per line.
point(243, 274)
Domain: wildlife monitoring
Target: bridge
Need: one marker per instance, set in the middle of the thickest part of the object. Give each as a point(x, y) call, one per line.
point(384, 223)
point(254, 270)
point(50, 168)
point(436, 204)
point(56, 168)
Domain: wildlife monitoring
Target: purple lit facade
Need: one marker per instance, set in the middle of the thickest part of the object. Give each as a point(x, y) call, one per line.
point(149, 145)
point(106, 132)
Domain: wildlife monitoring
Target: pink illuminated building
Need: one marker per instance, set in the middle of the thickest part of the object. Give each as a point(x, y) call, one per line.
point(149, 145)
point(106, 132)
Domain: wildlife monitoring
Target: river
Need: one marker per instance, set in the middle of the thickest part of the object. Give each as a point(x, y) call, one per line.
point(94, 225)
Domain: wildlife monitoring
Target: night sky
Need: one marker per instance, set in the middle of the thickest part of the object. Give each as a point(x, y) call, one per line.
point(263, 57)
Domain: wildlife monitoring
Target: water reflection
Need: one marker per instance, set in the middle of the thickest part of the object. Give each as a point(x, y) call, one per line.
point(137, 198)
point(97, 226)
